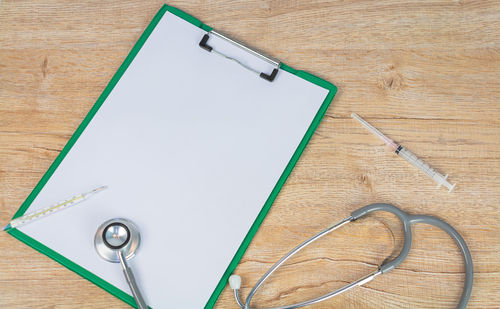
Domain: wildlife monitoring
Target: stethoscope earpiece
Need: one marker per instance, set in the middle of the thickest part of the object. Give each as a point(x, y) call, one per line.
point(235, 282)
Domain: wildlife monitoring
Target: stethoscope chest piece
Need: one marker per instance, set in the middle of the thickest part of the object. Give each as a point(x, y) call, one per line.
point(117, 235)
point(117, 241)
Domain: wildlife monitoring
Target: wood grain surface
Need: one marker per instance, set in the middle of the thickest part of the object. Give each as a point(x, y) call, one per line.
point(424, 72)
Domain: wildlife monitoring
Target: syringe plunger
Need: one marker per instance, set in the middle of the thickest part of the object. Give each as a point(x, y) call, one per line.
point(432, 173)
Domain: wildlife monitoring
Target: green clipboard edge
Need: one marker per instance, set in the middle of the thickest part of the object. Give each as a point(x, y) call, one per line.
point(114, 80)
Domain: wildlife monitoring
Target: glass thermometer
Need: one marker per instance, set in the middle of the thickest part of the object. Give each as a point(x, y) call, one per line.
point(51, 209)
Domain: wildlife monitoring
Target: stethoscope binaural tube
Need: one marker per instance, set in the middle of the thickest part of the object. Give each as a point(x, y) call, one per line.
point(406, 219)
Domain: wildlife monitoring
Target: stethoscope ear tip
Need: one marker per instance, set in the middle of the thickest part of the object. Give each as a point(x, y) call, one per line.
point(235, 282)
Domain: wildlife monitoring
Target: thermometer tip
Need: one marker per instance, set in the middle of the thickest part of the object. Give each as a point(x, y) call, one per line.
point(96, 190)
point(99, 189)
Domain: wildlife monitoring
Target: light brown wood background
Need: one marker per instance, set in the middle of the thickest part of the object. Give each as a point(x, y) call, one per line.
point(424, 72)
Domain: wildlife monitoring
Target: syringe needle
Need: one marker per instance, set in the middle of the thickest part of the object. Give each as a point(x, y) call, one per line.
point(376, 132)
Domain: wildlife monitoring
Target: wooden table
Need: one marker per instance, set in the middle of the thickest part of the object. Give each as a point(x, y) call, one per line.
point(424, 72)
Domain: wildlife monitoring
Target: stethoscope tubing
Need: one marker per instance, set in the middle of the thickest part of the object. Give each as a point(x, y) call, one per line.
point(407, 220)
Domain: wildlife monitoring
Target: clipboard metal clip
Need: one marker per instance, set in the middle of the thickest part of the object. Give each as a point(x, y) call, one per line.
point(269, 77)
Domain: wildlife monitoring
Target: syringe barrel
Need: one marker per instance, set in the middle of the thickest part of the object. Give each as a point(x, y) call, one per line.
point(421, 165)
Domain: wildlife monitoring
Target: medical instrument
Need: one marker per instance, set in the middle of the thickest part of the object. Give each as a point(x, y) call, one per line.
point(117, 241)
point(51, 209)
point(407, 155)
point(388, 265)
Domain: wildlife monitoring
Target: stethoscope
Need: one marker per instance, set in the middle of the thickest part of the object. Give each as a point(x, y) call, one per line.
point(406, 219)
point(117, 241)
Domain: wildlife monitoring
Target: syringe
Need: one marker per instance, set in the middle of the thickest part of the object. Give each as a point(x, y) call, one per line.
point(51, 209)
point(407, 155)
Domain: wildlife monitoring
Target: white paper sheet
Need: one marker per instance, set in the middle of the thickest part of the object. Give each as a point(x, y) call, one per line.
point(190, 145)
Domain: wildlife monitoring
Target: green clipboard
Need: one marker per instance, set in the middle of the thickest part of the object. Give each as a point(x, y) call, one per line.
point(263, 212)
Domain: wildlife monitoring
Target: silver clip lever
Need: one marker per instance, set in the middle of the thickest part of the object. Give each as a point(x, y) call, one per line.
point(269, 77)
